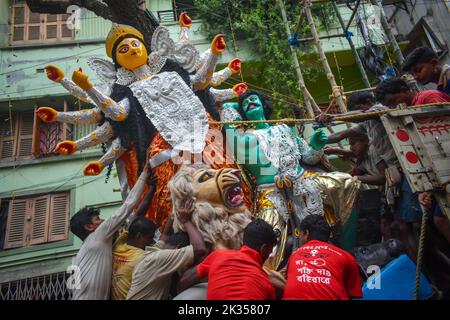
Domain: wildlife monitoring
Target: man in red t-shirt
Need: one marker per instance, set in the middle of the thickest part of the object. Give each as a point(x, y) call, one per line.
point(237, 274)
point(392, 92)
point(318, 270)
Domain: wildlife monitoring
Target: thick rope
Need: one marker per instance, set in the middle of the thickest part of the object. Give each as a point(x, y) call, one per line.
point(337, 118)
point(423, 228)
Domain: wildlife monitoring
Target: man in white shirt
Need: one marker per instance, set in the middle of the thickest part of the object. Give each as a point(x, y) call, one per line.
point(94, 259)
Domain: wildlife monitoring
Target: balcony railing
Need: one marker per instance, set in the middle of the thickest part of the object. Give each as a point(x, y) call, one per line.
point(168, 16)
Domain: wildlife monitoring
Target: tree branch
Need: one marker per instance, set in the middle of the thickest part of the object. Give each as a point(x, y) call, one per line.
point(123, 12)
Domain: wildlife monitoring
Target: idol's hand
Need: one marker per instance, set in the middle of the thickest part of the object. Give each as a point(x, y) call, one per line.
point(66, 147)
point(81, 79)
point(318, 139)
point(240, 89)
point(47, 114)
point(54, 73)
point(235, 65)
point(93, 168)
point(185, 20)
point(218, 44)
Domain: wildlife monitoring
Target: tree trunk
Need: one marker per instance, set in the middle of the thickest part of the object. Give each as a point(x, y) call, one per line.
point(123, 12)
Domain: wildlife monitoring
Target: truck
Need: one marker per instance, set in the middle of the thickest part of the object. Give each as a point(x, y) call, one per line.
point(421, 140)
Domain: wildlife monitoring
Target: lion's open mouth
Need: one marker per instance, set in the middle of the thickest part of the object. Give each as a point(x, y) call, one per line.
point(233, 196)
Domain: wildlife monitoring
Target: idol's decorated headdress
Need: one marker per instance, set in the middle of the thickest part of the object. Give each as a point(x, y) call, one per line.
point(162, 47)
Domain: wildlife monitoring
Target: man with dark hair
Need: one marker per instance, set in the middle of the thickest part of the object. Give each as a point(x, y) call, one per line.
point(237, 274)
point(154, 275)
point(128, 252)
point(395, 91)
point(423, 63)
point(94, 259)
point(361, 101)
point(318, 270)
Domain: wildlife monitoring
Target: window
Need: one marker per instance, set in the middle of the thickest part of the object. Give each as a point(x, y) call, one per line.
point(16, 136)
point(46, 135)
point(29, 27)
point(179, 6)
point(24, 136)
point(36, 220)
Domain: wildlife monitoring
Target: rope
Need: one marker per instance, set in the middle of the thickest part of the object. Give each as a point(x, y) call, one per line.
point(423, 229)
point(234, 41)
point(338, 118)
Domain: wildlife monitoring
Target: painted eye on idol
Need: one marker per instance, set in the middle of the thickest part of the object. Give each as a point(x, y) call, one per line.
point(124, 49)
point(135, 44)
point(204, 177)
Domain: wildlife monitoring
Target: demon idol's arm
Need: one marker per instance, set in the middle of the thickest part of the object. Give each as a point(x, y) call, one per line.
point(309, 155)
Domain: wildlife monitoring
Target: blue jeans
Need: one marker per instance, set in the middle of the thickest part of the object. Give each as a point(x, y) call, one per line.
point(408, 206)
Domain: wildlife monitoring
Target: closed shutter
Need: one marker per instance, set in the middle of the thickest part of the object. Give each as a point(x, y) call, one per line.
point(59, 217)
point(39, 220)
point(25, 138)
point(8, 128)
point(15, 225)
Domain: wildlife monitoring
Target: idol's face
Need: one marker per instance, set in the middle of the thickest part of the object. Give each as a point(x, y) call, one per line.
point(131, 54)
point(253, 107)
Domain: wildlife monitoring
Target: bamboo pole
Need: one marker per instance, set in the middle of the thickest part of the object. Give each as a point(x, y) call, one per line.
point(360, 90)
point(301, 82)
point(311, 104)
point(336, 91)
point(349, 118)
point(387, 29)
point(361, 69)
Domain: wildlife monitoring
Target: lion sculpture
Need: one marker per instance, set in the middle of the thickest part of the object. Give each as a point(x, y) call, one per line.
point(220, 213)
